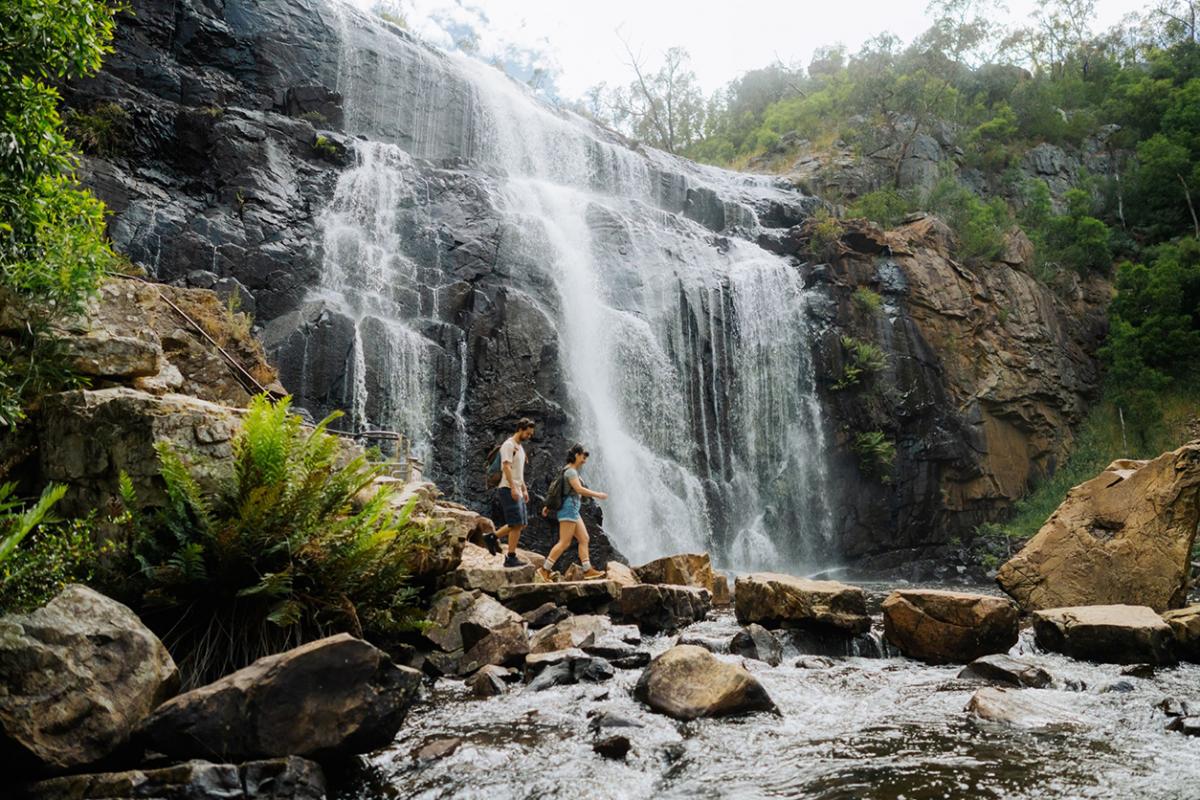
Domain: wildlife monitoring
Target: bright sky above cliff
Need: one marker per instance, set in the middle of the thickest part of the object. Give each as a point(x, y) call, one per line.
point(579, 39)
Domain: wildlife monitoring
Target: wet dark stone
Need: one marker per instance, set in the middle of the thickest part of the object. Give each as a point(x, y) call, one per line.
point(1005, 670)
point(813, 662)
point(756, 642)
point(592, 670)
point(616, 747)
point(635, 661)
point(560, 674)
point(1139, 671)
point(545, 615)
point(1173, 707)
point(1120, 687)
point(711, 644)
point(1188, 726)
point(607, 720)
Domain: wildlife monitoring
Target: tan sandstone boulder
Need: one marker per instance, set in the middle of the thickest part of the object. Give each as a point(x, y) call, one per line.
point(772, 600)
point(687, 682)
point(1123, 537)
point(941, 627)
point(1185, 626)
point(1117, 634)
point(683, 569)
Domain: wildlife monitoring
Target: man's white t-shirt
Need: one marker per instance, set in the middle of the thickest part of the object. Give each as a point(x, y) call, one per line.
point(511, 452)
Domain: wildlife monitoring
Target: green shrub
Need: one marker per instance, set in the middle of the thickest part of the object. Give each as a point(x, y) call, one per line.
point(876, 454)
point(325, 147)
point(825, 235)
point(277, 554)
point(867, 300)
point(55, 554)
point(103, 131)
point(860, 360)
point(979, 226)
point(887, 207)
point(52, 246)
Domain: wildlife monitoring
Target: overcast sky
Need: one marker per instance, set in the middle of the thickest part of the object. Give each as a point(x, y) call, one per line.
point(580, 39)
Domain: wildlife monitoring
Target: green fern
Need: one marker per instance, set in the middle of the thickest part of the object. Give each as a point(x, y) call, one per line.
point(277, 552)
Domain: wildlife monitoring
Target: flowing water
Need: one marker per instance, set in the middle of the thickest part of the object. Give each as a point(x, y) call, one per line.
point(859, 729)
point(685, 348)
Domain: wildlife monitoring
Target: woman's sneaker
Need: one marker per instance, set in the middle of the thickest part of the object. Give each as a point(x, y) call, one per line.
point(546, 575)
point(592, 574)
point(511, 561)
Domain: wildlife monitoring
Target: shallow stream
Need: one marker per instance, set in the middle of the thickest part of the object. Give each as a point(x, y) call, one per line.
point(861, 728)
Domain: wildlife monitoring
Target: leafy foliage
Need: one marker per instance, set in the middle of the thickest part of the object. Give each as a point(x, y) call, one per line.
point(279, 551)
point(55, 554)
point(979, 225)
point(867, 300)
point(862, 360)
point(876, 454)
point(103, 131)
point(52, 247)
point(39, 555)
point(1154, 334)
point(886, 206)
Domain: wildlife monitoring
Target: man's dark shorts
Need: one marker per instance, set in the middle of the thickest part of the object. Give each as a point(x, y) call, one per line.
point(515, 512)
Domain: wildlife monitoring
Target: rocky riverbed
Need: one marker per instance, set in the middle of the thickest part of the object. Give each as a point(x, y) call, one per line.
point(847, 727)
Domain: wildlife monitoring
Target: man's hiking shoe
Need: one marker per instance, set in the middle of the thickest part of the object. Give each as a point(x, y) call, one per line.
point(511, 561)
point(592, 574)
point(491, 543)
point(546, 576)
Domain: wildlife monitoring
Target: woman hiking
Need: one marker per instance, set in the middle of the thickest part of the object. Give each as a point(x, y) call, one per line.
point(570, 525)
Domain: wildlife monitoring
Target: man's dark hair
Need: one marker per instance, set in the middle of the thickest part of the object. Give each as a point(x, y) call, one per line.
point(524, 424)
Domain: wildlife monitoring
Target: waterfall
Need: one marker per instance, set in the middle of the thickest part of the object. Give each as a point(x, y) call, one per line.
point(684, 347)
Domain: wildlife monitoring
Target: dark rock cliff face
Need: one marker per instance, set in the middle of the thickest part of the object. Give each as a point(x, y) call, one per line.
point(987, 373)
point(237, 141)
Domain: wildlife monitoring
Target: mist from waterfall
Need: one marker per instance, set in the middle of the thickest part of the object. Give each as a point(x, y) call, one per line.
point(686, 352)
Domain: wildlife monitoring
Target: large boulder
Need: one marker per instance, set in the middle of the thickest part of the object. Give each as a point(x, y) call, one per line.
point(657, 608)
point(580, 597)
point(773, 600)
point(330, 698)
point(1116, 634)
point(454, 610)
point(277, 779)
point(941, 627)
point(505, 645)
point(1124, 537)
point(578, 631)
point(481, 570)
point(684, 569)
point(90, 438)
point(76, 679)
point(1185, 626)
point(688, 682)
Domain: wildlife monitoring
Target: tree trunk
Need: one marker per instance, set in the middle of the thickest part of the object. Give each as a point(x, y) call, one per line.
point(1187, 193)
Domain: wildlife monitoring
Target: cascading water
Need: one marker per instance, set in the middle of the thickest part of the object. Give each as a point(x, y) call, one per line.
point(685, 352)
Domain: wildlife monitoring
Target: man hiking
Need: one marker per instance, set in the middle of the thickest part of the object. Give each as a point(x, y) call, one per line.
point(512, 493)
